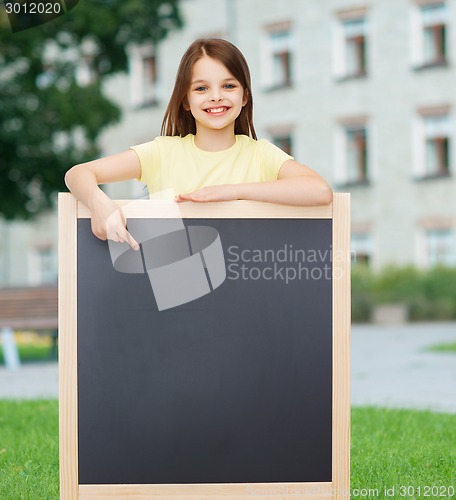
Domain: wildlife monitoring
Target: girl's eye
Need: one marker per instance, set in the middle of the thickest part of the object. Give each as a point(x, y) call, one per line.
point(229, 86)
point(200, 89)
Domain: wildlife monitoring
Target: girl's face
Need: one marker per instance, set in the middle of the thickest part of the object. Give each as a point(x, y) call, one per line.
point(215, 98)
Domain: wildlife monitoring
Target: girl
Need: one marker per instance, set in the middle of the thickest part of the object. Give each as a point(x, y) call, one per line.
point(208, 150)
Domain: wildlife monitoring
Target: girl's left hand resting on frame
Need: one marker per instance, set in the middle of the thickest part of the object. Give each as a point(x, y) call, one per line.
point(222, 192)
point(296, 184)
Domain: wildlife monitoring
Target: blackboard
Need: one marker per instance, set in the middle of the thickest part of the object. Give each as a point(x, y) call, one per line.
point(236, 386)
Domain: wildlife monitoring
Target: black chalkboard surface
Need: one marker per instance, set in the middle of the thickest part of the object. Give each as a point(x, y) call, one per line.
point(233, 387)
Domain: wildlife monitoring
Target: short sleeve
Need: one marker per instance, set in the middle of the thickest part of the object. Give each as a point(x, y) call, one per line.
point(149, 157)
point(271, 159)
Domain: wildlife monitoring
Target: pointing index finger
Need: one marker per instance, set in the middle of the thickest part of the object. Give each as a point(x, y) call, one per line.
point(131, 241)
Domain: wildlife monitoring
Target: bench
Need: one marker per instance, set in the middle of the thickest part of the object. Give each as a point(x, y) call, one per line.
point(27, 308)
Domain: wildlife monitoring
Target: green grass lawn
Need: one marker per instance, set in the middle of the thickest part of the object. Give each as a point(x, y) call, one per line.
point(445, 347)
point(403, 448)
point(389, 448)
point(29, 450)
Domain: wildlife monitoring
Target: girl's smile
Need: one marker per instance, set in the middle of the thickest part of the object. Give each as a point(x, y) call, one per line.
point(218, 111)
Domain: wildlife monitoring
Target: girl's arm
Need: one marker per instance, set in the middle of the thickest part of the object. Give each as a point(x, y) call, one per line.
point(108, 221)
point(296, 184)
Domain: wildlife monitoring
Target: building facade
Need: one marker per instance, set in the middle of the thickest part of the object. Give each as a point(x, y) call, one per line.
point(360, 91)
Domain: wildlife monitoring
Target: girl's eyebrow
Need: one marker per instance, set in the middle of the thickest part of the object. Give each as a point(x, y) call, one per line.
point(205, 81)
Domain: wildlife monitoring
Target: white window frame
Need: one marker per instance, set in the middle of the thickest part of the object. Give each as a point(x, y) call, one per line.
point(423, 131)
point(141, 93)
point(424, 253)
point(269, 48)
point(341, 174)
point(340, 48)
point(361, 243)
point(418, 22)
point(37, 261)
point(447, 241)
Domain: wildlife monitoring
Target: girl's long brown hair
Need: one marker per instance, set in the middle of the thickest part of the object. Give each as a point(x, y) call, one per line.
point(179, 121)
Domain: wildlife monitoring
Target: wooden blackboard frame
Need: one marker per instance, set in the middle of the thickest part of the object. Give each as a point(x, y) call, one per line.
point(339, 211)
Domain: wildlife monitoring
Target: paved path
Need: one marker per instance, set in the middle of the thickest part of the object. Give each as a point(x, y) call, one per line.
point(390, 367)
point(30, 381)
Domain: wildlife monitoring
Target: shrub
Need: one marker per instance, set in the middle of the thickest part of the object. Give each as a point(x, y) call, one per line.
point(398, 284)
point(361, 298)
point(428, 294)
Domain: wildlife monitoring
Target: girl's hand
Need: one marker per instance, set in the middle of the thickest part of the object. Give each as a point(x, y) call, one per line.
point(224, 192)
point(108, 222)
point(107, 219)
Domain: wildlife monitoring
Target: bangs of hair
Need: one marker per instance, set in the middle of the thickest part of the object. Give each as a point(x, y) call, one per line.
point(180, 122)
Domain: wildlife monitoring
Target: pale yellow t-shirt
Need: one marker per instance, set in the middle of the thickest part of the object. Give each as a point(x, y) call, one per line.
point(176, 163)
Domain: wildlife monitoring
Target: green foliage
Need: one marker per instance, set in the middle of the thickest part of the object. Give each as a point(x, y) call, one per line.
point(48, 120)
point(32, 353)
point(398, 284)
point(428, 294)
point(361, 299)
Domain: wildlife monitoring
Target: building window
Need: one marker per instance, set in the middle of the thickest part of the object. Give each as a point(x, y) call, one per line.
point(281, 58)
point(437, 145)
point(430, 34)
point(284, 142)
point(433, 143)
point(361, 247)
point(355, 41)
point(42, 268)
point(440, 246)
point(434, 33)
point(352, 155)
point(356, 154)
point(351, 45)
point(277, 57)
point(144, 83)
point(46, 259)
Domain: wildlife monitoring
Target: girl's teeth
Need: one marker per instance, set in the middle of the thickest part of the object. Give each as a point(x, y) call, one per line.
point(217, 110)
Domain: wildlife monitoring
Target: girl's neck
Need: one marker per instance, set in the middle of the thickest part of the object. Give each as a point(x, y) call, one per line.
point(215, 140)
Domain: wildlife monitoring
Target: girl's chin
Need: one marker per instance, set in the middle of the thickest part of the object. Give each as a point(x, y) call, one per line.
point(213, 126)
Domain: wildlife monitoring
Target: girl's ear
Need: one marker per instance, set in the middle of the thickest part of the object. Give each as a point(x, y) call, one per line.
point(185, 104)
point(245, 99)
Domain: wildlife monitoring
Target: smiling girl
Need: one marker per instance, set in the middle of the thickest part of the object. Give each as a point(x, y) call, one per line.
point(208, 150)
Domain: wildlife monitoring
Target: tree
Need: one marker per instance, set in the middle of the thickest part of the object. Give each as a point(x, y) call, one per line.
point(49, 121)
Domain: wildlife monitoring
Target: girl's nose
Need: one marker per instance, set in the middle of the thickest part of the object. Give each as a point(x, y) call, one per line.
point(216, 97)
